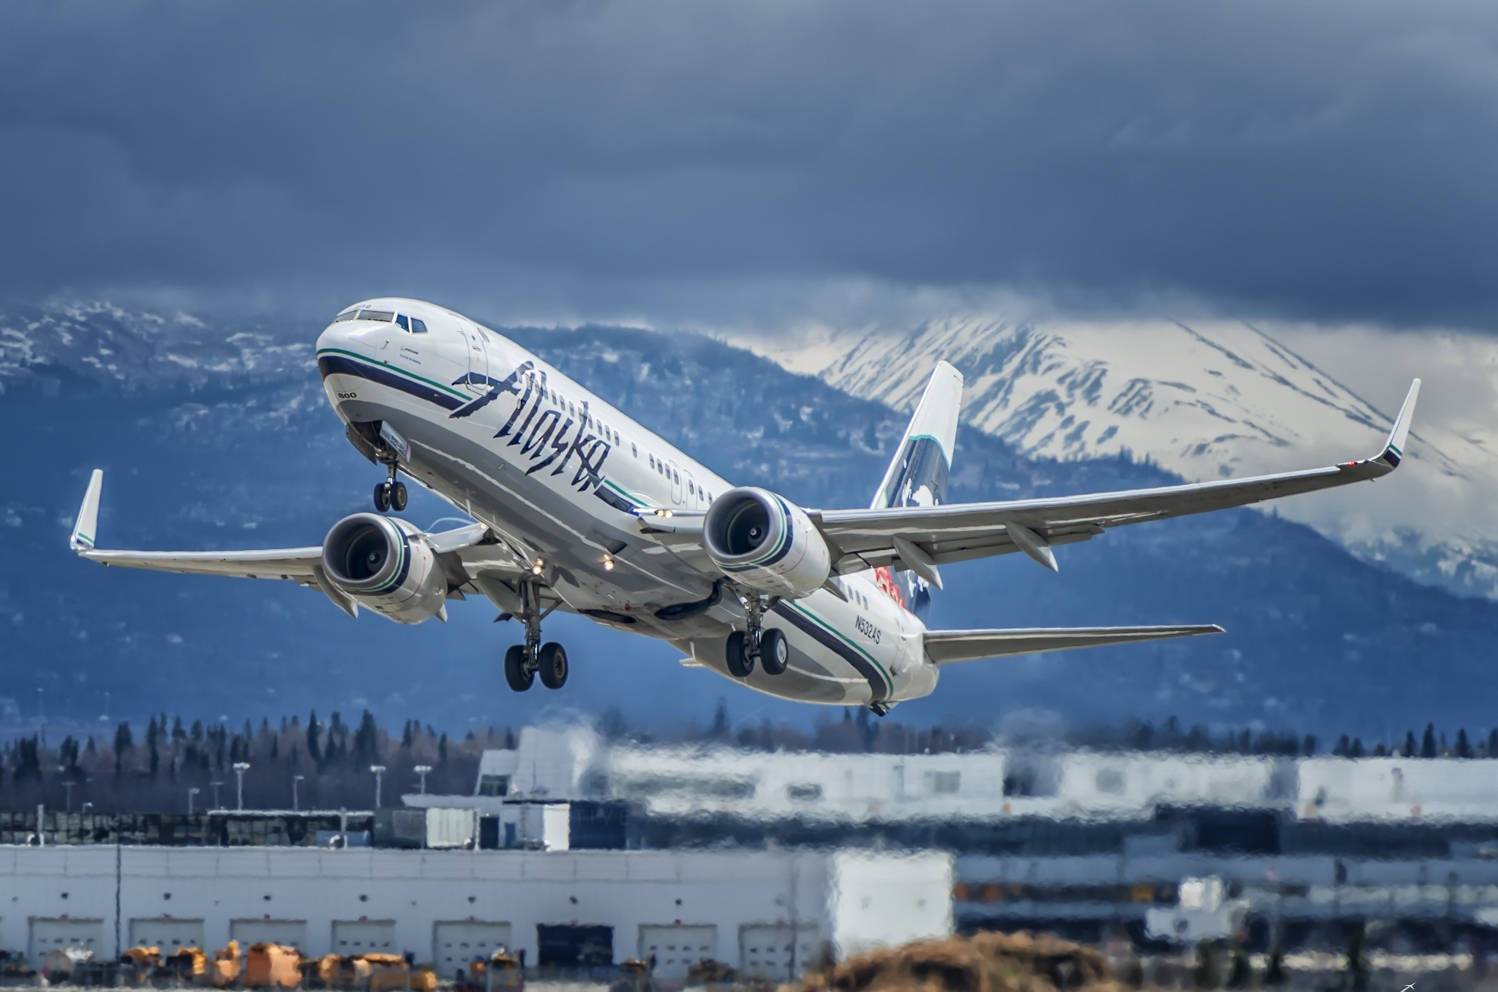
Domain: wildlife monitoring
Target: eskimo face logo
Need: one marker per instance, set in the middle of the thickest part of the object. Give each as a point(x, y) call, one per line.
point(548, 436)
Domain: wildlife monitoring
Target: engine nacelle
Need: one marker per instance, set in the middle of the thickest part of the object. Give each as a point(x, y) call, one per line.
point(384, 564)
point(766, 542)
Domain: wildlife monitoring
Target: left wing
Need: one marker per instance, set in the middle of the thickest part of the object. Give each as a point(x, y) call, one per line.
point(919, 538)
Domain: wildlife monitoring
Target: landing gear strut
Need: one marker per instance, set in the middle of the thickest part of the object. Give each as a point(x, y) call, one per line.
point(523, 662)
point(390, 494)
point(756, 645)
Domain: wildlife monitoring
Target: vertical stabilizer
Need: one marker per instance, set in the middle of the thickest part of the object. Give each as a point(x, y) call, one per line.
point(918, 475)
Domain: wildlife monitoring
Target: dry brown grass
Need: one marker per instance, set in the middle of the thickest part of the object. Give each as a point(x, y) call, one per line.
point(985, 962)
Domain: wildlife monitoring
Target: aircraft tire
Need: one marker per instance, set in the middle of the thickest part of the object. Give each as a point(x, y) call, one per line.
point(552, 660)
point(398, 496)
point(382, 497)
point(774, 652)
point(740, 661)
point(516, 674)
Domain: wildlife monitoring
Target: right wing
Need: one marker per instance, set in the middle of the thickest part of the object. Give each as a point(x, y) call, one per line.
point(920, 538)
point(946, 646)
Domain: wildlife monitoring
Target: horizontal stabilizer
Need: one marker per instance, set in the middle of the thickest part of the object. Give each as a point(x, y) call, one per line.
point(946, 646)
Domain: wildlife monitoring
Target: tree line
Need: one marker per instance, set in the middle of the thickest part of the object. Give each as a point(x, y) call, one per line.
point(314, 762)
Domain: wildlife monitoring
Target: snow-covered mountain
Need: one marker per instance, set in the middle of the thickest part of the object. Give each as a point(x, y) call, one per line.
point(1205, 401)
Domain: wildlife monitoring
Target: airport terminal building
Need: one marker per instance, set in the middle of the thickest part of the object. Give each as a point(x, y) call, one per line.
point(581, 853)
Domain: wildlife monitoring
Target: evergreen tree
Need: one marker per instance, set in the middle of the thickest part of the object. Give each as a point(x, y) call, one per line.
point(1463, 746)
point(1356, 750)
point(719, 730)
point(1308, 746)
point(314, 742)
point(124, 742)
point(1408, 750)
point(1428, 742)
point(366, 740)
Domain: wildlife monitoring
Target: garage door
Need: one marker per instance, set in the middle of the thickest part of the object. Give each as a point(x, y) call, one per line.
point(456, 944)
point(769, 952)
point(287, 933)
point(55, 935)
point(364, 937)
point(677, 948)
point(168, 934)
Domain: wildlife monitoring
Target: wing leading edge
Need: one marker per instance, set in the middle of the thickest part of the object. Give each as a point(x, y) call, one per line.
point(957, 532)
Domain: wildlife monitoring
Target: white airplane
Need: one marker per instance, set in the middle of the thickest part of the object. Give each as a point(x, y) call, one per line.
point(578, 507)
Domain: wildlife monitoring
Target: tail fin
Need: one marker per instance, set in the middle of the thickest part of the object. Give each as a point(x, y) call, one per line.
point(918, 474)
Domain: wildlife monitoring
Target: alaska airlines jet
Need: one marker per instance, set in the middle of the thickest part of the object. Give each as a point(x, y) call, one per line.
point(577, 507)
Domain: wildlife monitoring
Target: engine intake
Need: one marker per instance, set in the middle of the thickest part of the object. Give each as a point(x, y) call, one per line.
point(766, 542)
point(385, 564)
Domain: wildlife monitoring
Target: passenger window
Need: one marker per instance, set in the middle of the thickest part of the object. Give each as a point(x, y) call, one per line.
point(652, 460)
point(401, 319)
point(676, 477)
point(418, 326)
point(633, 450)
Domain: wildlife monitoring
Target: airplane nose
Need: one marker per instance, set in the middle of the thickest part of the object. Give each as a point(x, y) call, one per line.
point(334, 336)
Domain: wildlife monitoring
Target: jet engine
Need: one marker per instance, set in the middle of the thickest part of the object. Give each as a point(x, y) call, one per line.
point(385, 564)
point(766, 542)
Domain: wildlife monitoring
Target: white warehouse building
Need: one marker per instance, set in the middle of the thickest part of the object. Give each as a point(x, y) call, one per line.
point(765, 913)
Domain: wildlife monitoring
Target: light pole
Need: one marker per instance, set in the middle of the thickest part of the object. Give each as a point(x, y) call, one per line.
point(215, 786)
point(422, 771)
point(190, 794)
point(379, 772)
point(240, 767)
point(41, 718)
point(295, 806)
point(87, 807)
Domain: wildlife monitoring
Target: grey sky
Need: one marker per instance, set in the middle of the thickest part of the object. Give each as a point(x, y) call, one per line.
point(712, 163)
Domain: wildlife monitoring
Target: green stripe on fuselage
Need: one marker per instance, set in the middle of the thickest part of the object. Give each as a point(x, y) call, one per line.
point(398, 371)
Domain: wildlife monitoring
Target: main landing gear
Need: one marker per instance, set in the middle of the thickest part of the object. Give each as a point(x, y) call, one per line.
point(390, 494)
point(755, 645)
point(523, 662)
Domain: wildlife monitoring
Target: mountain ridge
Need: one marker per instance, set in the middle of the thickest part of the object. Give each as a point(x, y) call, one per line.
point(257, 459)
point(1203, 401)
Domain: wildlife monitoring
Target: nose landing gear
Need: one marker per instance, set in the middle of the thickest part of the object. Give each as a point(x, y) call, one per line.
point(390, 494)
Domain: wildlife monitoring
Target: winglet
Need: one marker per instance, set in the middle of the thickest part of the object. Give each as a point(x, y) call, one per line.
point(86, 527)
point(1394, 449)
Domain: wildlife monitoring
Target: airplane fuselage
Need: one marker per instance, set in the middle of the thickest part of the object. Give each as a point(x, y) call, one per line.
point(561, 477)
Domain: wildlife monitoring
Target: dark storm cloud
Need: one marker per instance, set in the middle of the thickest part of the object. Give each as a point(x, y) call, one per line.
point(1330, 160)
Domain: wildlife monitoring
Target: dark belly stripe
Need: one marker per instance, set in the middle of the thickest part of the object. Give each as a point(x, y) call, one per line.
point(837, 647)
point(338, 365)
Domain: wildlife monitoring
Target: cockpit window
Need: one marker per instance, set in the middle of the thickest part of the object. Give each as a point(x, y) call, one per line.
point(418, 326)
point(381, 315)
point(348, 314)
point(404, 321)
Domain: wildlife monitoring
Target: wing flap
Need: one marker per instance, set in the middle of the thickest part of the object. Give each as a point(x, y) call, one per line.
point(944, 647)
